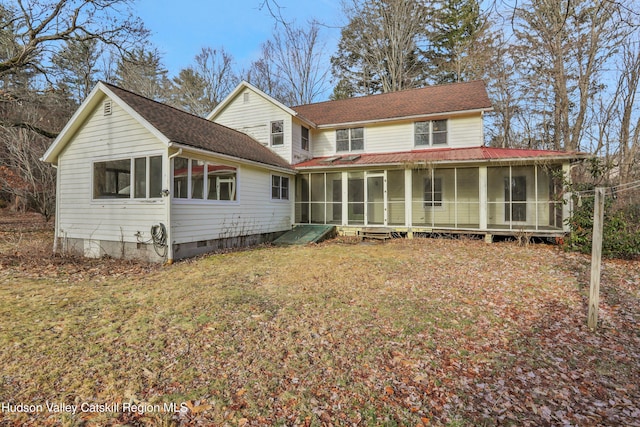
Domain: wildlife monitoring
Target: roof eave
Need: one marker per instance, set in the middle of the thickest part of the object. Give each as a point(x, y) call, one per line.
point(538, 159)
point(192, 149)
point(72, 126)
point(81, 115)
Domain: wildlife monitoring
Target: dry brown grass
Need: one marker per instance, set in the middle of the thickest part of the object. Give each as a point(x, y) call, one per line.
point(416, 332)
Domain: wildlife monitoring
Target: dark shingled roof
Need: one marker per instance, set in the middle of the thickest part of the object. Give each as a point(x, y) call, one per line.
point(183, 128)
point(431, 100)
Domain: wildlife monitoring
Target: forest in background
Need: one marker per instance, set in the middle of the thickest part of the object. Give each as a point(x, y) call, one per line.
point(562, 74)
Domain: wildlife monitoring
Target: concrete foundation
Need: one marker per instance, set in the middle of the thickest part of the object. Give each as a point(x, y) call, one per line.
point(92, 248)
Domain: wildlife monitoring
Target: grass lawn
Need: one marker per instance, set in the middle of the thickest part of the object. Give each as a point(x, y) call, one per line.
point(421, 332)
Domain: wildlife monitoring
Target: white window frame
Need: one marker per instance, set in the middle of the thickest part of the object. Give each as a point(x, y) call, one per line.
point(303, 139)
point(233, 182)
point(273, 134)
point(280, 187)
point(350, 132)
point(431, 133)
point(132, 178)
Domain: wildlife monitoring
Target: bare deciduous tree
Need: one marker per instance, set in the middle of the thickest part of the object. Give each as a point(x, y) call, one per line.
point(292, 67)
point(200, 87)
point(564, 46)
point(36, 27)
point(381, 46)
point(31, 182)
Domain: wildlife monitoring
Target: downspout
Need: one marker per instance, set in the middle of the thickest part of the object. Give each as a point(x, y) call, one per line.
point(169, 198)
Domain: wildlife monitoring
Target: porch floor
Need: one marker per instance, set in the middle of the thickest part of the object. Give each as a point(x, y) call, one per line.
point(492, 229)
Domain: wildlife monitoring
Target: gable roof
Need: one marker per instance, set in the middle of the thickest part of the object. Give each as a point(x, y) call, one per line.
point(242, 86)
point(432, 100)
point(173, 126)
point(439, 155)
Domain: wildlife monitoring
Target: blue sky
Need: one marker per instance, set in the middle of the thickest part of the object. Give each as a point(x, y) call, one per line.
point(180, 29)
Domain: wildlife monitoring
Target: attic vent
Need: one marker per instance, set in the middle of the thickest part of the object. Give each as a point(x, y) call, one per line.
point(106, 108)
point(245, 97)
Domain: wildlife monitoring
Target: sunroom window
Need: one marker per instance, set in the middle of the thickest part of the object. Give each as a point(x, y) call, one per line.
point(189, 180)
point(114, 179)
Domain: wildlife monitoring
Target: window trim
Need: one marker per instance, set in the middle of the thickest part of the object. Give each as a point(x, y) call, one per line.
point(350, 140)
point(132, 177)
point(303, 139)
point(205, 182)
point(431, 133)
point(272, 134)
point(279, 187)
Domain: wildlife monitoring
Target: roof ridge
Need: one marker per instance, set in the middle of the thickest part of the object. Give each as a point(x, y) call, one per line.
point(413, 89)
point(155, 101)
point(178, 109)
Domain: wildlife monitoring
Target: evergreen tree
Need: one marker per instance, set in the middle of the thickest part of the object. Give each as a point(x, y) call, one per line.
point(77, 67)
point(458, 28)
point(141, 71)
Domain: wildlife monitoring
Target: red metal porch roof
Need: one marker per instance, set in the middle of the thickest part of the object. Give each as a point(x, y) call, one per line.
point(436, 155)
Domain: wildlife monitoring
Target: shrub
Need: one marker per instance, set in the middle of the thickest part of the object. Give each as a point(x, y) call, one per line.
point(621, 229)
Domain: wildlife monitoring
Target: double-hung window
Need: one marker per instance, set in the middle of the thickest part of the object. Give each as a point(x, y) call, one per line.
point(304, 138)
point(277, 133)
point(279, 187)
point(115, 179)
point(430, 133)
point(350, 139)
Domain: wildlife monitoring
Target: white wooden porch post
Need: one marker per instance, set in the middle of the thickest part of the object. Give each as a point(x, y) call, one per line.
point(567, 206)
point(482, 182)
point(408, 200)
point(345, 200)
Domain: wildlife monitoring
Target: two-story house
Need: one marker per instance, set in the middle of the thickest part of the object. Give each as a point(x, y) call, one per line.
point(141, 179)
point(411, 161)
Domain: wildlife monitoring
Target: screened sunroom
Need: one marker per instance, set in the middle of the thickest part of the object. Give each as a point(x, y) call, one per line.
point(416, 197)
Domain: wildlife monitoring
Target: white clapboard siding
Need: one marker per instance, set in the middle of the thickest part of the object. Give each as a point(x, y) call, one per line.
point(253, 114)
point(395, 137)
point(252, 213)
point(115, 136)
point(298, 154)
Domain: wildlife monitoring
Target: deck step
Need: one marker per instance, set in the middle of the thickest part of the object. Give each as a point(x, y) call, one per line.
point(378, 233)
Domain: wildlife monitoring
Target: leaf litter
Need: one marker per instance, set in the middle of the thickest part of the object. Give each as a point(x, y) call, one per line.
point(422, 332)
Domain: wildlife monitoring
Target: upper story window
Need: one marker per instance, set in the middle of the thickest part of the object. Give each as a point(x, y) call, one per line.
point(431, 132)
point(199, 180)
point(304, 139)
point(115, 179)
point(350, 139)
point(277, 133)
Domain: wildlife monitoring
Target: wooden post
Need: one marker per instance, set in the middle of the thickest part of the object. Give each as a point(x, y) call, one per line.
point(596, 257)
